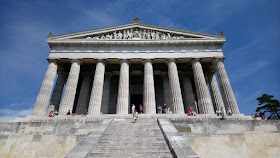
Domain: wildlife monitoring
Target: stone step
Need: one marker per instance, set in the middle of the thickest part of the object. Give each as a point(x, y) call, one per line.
point(126, 139)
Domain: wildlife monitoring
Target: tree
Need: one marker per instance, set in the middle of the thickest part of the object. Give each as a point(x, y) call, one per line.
point(269, 105)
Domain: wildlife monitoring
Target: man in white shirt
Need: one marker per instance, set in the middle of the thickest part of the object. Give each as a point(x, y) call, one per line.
point(132, 108)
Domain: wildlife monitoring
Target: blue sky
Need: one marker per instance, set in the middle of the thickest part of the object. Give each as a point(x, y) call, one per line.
point(251, 26)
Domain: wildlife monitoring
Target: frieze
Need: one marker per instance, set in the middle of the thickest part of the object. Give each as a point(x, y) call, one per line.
point(138, 34)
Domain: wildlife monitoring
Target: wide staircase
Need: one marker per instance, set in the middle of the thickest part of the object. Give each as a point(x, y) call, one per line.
point(125, 139)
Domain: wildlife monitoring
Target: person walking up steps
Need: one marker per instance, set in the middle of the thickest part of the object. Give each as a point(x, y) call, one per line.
point(135, 116)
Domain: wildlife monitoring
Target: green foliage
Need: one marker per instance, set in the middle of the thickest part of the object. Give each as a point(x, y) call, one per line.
point(269, 105)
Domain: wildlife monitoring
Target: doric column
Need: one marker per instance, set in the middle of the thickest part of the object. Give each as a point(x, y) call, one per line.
point(106, 93)
point(123, 94)
point(215, 92)
point(204, 101)
point(189, 95)
point(83, 99)
point(166, 91)
point(70, 88)
point(44, 95)
point(225, 86)
point(178, 107)
point(97, 89)
point(149, 88)
point(58, 89)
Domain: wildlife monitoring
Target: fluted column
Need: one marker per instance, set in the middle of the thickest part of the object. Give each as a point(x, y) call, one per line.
point(204, 101)
point(123, 94)
point(106, 93)
point(225, 86)
point(44, 95)
point(83, 99)
point(97, 89)
point(149, 88)
point(178, 107)
point(166, 91)
point(189, 96)
point(58, 89)
point(70, 88)
point(215, 92)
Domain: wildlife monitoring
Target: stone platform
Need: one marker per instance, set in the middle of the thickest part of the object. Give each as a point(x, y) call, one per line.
point(176, 135)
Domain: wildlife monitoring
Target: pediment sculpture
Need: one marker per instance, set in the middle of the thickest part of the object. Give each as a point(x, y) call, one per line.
point(136, 34)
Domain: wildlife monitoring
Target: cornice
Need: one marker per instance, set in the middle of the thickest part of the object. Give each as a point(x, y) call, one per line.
point(136, 42)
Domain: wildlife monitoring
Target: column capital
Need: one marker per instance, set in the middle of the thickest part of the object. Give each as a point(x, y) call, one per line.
point(196, 59)
point(101, 60)
point(124, 60)
point(170, 60)
point(217, 59)
point(53, 60)
point(148, 60)
point(79, 61)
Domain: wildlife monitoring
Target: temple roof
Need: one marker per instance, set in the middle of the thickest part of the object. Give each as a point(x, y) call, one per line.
point(136, 30)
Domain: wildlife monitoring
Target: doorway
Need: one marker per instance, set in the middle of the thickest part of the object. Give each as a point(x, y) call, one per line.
point(136, 99)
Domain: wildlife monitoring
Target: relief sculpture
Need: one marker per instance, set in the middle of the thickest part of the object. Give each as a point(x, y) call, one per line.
point(144, 34)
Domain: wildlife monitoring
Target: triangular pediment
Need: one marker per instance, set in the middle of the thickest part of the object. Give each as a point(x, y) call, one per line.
point(136, 31)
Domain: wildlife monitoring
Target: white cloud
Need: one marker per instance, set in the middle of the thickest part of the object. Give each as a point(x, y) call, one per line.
point(11, 114)
point(249, 69)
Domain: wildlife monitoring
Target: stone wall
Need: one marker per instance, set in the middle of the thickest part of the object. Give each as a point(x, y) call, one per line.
point(52, 138)
point(231, 138)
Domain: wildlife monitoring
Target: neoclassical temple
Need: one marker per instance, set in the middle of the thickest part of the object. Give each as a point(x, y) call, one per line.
point(106, 70)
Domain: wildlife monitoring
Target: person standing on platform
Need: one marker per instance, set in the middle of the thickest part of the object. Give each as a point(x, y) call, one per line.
point(132, 108)
point(164, 108)
point(141, 109)
point(223, 113)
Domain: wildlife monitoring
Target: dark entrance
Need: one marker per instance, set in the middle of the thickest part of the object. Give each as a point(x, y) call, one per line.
point(136, 99)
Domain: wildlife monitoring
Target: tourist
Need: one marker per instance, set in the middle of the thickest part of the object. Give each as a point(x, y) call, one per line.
point(84, 114)
point(132, 108)
point(229, 112)
point(68, 113)
point(159, 109)
point(55, 112)
point(253, 116)
point(135, 116)
point(256, 115)
point(164, 108)
point(264, 116)
point(51, 114)
point(218, 112)
point(141, 109)
point(223, 113)
point(190, 112)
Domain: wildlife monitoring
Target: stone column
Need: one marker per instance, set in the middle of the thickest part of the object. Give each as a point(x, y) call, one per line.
point(123, 94)
point(44, 95)
point(83, 99)
point(106, 93)
point(149, 88)
point(189, 95)
point(225, 86)
point(215, 92)
point(97, 89)
point(178, 107)
point(70, 88)
point(204, 101)
point(58, 89)
point(166, 92)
